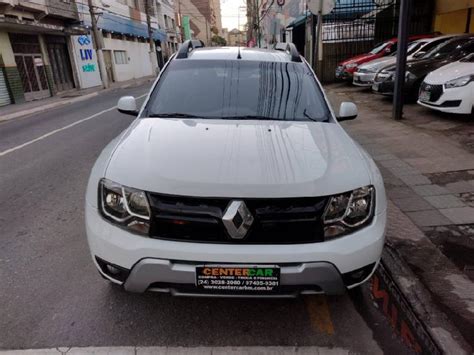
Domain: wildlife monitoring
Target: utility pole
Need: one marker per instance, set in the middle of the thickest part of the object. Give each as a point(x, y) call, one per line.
point(257, 13)
point(152, 51)
point(318, 43)
point(180, 21)
point(98, 45)
point(403, 22)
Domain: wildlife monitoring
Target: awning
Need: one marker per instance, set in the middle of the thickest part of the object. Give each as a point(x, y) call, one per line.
point(300, 20)
point(118, 24)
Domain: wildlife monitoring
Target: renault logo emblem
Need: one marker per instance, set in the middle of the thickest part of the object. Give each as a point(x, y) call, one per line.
point(237, 219)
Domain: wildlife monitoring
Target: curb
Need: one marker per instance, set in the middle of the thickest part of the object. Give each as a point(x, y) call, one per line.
point(411, 310)
point(46, 107)
point(162, 350)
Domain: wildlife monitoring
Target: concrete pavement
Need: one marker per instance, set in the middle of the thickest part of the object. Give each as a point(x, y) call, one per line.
point(429, 176)
point(52, 296)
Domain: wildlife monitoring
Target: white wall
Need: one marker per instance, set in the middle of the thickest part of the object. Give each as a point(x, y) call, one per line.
point(138, 65)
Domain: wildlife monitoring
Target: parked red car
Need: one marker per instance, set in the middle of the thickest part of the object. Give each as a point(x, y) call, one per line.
point(346, 69)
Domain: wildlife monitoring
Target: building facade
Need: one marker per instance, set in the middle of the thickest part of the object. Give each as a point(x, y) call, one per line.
point(237, 38)
point(166, 15)
point(35, 59)
point(454, 16)
point(46, 47)
point(204, 18)
point(124, 38)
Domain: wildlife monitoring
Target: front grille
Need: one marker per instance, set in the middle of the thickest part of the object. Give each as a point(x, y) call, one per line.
point(435, 91)
point(276, 221)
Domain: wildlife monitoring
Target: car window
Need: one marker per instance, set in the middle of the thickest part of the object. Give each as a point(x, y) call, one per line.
point(233, 89)
point(393, 47)
point(444, 49)
point(462, 51)
point(430, 45)
point(413, 47)
point(468, 59)
point(379, 48)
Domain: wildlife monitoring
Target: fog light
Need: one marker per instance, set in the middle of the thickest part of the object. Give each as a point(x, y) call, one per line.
point(358, 275)
point(112, 270)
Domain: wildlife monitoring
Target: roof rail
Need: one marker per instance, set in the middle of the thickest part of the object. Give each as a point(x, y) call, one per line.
point(290, 48)
point(188, 46)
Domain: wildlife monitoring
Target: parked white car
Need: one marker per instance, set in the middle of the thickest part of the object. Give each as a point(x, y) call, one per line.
point(236, 179)
point(450, 88)
point(365, 74)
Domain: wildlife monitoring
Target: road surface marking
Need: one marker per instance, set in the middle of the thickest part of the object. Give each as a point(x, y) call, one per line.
point(319, 314)
point(46, 135)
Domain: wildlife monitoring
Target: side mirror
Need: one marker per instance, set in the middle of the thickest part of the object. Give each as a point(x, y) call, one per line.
point(388, 50)
point(347, 111)
point(418, 54)
point(127, 105)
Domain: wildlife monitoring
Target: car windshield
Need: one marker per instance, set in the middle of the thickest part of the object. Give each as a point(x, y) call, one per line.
point(238, 89)
point(379, 48)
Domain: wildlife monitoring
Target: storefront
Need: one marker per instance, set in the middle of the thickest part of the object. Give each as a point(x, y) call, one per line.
point(31, 65)
point(60, 62)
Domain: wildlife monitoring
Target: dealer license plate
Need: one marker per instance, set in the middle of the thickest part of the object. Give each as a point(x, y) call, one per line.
point(375, 86)
point(238, 278)
point(425, 95)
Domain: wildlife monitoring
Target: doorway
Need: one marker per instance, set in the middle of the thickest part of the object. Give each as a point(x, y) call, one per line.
point(30, 65)
point(108, 65)
point(60, 63)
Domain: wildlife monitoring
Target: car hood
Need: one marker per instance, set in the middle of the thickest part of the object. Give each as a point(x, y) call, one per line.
point(363, 58)
point(449, 72)
point(223, 158)
point(379, 63)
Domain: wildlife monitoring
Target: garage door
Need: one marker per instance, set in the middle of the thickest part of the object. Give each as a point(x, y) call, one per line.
point(4, 95)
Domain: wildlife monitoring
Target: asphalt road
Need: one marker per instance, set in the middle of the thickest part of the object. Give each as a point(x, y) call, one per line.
point(51, 295)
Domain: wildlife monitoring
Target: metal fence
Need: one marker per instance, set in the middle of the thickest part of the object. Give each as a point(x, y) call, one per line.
point(356, 26)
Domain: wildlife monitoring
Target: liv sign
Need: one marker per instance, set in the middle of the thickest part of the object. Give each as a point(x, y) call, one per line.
point(85, 53)
point(86, 61)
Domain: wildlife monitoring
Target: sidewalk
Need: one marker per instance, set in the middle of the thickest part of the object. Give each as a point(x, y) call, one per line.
point(28, 108)
point(427, 162)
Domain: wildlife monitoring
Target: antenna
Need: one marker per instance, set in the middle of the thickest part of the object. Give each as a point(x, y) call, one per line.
point(238, 55)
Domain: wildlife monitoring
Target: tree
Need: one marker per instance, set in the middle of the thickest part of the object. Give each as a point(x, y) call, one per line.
point(220, 41)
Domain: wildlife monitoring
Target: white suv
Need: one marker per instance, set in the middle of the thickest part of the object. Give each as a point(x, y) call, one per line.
point(236, 179)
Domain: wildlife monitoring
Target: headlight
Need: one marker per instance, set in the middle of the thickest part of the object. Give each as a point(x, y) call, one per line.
point(124, 206)
point(351, 65)
point(409, 76)
point(348, 212)
point(459, 82)
point(384, 75)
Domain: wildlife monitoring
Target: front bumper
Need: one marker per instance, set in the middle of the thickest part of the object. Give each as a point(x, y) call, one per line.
point(455, 100)
point(363, 79)
point(169, 266)
point(342, 74)
point(383, 87)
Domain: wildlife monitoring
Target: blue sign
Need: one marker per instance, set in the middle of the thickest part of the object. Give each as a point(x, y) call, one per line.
point(84, 40)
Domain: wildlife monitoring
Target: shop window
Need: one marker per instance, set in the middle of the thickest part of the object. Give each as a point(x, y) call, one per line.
point(120, 57)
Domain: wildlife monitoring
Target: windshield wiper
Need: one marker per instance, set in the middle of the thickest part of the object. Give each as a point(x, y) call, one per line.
point(314, 119)
point(173, 115)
